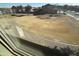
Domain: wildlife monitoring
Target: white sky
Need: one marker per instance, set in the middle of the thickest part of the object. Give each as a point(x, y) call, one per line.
point(40, 1)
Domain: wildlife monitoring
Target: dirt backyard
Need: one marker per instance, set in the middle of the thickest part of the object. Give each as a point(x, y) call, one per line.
point(63, 28)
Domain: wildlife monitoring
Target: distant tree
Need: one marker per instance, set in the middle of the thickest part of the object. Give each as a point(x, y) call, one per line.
point(39, 11)
point(66, 7)
point(28, 9)
point(19, 9)
point(76, 8)
point(13, 8)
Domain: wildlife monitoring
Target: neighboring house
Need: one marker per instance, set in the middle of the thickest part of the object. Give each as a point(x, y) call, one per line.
point(49, 9)
point(5, 10)
point(1, 13)
point(60, 12)
point(46, 9)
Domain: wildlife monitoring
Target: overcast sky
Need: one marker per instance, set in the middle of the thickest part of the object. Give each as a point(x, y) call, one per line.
point(41, 1)
point(3, 5)
point(36, 3)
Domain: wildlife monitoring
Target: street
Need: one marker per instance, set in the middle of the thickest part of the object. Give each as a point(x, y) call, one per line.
point(75, 15)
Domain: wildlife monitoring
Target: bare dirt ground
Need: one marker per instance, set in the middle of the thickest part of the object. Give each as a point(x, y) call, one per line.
point(8, 23)
point(60, 29)
point(63, 28)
